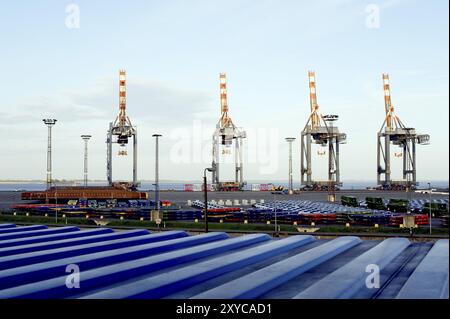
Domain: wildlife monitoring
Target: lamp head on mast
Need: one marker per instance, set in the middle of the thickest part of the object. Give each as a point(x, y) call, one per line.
point(86, 137)
point(49, 122)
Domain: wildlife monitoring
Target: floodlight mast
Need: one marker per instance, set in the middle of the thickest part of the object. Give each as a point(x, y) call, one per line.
point(50, 123)
point(86, 139)
point(290, 140)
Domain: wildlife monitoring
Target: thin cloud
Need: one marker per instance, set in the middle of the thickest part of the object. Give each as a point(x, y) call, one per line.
point(148, 101)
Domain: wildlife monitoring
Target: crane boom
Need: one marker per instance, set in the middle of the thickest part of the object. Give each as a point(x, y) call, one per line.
point(122, 120)
point(315, 117)
point(312, 90)
point(225, 120)
point(122, 97)
point(389, 109)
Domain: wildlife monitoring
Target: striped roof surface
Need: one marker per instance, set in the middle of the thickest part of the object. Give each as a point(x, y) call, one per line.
point(37, 262)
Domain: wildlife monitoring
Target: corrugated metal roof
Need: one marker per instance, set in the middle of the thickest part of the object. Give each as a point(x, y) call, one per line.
point(138, 264)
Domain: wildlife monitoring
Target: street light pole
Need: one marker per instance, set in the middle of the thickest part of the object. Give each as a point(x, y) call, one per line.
point(290, 140)
point(157, 136)
point(276, 224)
point(276, 219)
point(430, 190)
point(205, 193)
point(56, 204)
point(86, 140)
point(332, 177)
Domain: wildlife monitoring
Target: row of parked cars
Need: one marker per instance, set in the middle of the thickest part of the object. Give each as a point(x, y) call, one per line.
point(398, 205)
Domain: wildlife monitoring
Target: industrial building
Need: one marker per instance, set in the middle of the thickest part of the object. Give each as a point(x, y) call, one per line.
point(41, 263)
point(67, 193)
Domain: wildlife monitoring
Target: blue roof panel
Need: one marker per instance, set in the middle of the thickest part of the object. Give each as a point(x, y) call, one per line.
point(430, 279)
point(139, 264)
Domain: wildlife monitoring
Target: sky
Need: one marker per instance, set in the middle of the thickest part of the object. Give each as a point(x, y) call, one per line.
point(60, 59)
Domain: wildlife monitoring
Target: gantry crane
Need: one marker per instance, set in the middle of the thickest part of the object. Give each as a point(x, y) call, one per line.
point(394, 131)
point(320, 129)
point(226, 132)
point(123, 129)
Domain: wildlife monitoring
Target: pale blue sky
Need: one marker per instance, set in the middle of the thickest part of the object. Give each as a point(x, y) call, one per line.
point(173, 52)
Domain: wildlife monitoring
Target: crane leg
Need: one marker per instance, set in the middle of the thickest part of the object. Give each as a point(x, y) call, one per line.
point(405, 160)
point(330, 160)
point(109, 155)
point(240, 172)
point(236, 161)
point(387, 151)
point(414, 162)
point(135, 159)
point(308, 160)
point(338, 171)
point(302, 159)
